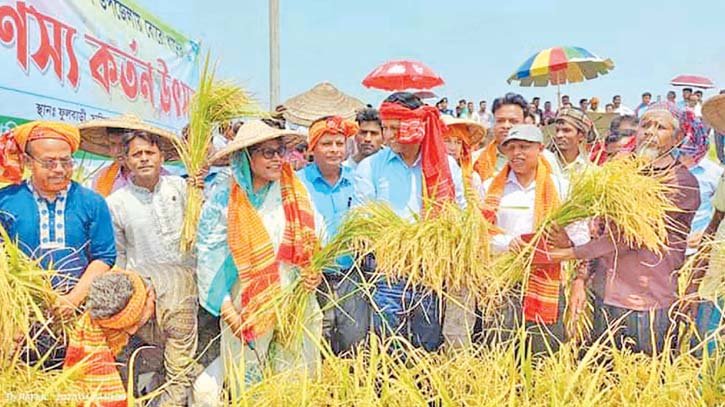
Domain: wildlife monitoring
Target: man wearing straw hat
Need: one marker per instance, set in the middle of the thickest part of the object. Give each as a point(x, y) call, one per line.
point(55, 220)
point(460, 138)
point(573, 131)
point(255, 242)
point(105, 137)
point(330, 183)
point(415, 167)
point(636, 286)
point(516, 200)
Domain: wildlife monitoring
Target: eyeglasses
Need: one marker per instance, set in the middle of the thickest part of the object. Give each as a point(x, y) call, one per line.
point(269, 153)
point(65, 163)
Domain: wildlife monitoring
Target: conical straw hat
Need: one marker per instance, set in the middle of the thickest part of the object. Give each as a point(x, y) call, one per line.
point(713, 111)
point(251, 133)
point(474, 130)
point(95, 138)
point(322, 100)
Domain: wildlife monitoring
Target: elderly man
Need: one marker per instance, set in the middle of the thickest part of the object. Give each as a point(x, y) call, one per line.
point(369, 138)
point(415, 167)
point(517, 199)
point(55, 220)
point(159, 311)
point(573, 130)
point(346, 313)
point(508, 111)
point(635, 285)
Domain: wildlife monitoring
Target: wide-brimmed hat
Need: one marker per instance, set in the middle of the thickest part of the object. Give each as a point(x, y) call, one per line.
point(713, 111)
point(474, 131)
point(251, 133)
point(95, 137)
point(323, 99)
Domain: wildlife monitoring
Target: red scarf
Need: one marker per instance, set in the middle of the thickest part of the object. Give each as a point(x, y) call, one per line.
point(423, 125)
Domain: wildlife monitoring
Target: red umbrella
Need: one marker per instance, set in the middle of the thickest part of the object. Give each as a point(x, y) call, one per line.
point(402, 75)
point(693, 81)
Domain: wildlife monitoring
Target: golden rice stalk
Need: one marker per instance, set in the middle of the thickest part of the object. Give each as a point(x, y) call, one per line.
point(442, 253)
point(213, 103)
point(25, 292)
point(627, 193)
point(494, 376)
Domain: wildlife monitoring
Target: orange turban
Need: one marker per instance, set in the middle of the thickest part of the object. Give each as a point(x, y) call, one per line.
point(13, 143)
point(39, 130)
point(330, 125)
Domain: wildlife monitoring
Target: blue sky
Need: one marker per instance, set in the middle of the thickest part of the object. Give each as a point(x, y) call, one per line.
point(473, 45)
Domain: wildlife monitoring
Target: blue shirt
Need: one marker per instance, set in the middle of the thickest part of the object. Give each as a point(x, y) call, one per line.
point(331, 201)
point(708, 175)
point(384, 176)
point(67, 234)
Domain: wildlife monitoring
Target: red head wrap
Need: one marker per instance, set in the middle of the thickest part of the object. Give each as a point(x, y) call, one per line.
point(423, 125)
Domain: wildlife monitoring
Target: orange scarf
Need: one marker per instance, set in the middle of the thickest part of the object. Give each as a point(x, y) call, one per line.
point(95, 343)
point(485, 165)
point(541, 300)
point(253, 252)
point(107, 178)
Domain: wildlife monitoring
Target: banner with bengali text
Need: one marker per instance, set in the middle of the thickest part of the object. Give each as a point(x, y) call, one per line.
point(75, 60)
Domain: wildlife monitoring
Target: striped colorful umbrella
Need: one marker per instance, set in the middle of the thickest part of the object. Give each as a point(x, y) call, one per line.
point(560, 65)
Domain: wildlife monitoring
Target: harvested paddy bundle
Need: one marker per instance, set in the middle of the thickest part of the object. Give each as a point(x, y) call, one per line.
point(627, 195)
point(442, 252)
point(213, 103)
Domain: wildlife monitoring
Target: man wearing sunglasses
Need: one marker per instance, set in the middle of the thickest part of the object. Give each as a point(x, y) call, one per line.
point(55, 220)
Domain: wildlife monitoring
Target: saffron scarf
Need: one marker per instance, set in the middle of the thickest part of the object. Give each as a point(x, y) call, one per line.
point(253, 252)
point(106, 179)
point(423, 125)
point(485, 165)
point(95, 343)
point(541, 299)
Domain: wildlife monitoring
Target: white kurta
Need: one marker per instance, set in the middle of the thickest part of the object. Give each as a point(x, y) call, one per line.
point(147, 224)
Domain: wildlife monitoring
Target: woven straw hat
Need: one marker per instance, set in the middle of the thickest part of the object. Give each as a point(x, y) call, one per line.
point(95, 138)
point(251, 133)
point(713, 111)
point(475, 131)
point(323, 99)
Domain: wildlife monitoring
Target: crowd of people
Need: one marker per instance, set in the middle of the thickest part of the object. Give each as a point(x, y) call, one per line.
point(268, 204)
point(546, 116)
